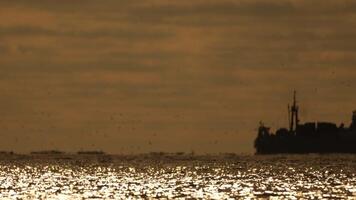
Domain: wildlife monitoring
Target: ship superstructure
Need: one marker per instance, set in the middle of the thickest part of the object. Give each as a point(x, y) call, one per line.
point(310, 137)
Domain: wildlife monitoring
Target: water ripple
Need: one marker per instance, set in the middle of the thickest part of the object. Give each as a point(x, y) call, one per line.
point(290, 177)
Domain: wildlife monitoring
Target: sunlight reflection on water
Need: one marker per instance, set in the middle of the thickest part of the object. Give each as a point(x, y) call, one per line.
point(205, 177)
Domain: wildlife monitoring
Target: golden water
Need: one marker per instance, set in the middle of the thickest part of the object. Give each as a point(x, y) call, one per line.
point(212, 177)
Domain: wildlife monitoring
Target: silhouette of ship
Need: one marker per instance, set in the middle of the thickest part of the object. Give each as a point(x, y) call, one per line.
point(310, 137)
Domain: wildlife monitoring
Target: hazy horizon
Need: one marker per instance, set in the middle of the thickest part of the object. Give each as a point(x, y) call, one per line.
point(136, 76)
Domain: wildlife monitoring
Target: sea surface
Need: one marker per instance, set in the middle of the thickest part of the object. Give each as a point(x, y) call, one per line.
point(169, 176)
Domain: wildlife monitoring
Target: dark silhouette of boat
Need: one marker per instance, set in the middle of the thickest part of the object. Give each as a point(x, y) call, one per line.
point(49, 152)
point(310, 137)
point(91, 152)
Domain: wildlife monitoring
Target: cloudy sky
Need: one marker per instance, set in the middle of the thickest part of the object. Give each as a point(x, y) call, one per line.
point(130, 76)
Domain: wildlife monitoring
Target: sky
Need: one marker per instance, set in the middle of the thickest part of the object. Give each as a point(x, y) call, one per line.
point(135, 76)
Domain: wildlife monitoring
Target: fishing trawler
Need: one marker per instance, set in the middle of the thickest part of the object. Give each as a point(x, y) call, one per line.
point(310, 137)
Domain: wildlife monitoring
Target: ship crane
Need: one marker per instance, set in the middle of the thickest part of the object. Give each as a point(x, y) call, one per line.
point(293, 114)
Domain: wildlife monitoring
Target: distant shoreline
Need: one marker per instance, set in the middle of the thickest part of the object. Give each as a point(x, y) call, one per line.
point(100, 152)
point(157, 154)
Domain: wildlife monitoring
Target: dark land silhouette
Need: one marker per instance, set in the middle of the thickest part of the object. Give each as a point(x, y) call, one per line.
point(310, 137)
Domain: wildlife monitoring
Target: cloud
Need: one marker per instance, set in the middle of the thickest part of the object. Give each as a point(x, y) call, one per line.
point(222, 8)
point(4, 49)
point(179, 69)
point(39, 31)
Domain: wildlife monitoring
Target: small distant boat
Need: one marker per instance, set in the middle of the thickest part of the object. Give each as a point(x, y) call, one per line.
point(310, 137)
point(91, 152)
point(51, 152)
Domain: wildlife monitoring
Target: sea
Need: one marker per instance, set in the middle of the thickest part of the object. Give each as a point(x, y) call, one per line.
point(177, 176)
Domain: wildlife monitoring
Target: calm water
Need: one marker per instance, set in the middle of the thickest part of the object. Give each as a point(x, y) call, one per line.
point(212, 177)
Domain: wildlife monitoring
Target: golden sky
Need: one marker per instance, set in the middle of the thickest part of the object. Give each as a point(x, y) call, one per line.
point(131, 76)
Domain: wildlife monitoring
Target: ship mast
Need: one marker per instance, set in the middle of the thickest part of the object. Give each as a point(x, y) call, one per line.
point(293, 114)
